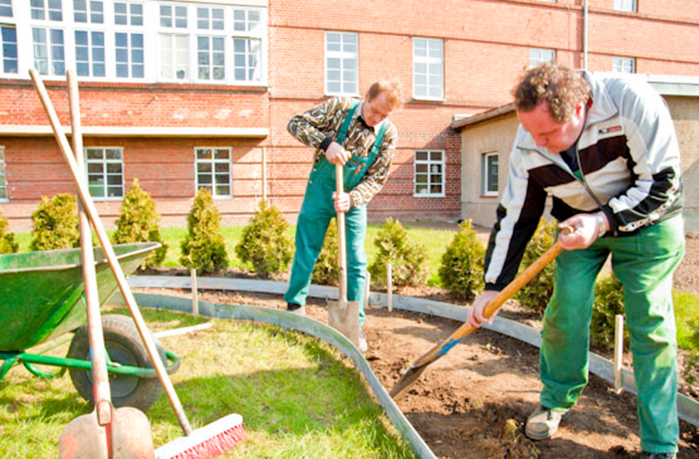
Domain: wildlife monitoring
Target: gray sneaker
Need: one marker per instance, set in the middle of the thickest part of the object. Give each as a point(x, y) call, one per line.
point(296, 308)
point(543, 423)
point(362, 342)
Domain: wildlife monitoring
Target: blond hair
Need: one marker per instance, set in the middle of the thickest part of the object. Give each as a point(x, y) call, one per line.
point(392, 88)
point(561, 87)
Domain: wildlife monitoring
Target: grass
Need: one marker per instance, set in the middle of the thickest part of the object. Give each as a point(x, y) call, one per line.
point(298, 397)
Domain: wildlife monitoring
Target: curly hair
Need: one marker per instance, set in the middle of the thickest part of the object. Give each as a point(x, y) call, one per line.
point(392, 88)
point(562, 87)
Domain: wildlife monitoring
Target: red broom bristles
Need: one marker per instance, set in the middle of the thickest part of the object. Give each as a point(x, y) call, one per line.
point(209, 441)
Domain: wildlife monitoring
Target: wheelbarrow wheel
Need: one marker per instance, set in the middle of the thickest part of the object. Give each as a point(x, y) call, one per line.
point(124, 346)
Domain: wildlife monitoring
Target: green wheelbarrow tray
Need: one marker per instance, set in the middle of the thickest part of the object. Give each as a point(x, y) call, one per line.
point(42, 298)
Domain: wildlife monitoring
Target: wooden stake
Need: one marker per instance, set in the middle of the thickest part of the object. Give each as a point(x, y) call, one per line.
point(618, 353)
point(195, 293)
point(389, 286)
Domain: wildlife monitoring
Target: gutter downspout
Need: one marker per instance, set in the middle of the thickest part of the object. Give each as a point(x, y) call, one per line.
point(585, 21)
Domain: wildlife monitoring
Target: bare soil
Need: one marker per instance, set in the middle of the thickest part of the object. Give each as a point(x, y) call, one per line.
point(473, 402)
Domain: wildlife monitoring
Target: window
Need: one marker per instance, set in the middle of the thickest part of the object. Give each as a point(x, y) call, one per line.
point(625, 5)
point(128, 14)
point(539, 55)
point(489, 174)
point(214, 170)
point(49, 51)
point(428, 68)
point(247, 45)
point(91, 11)
point(341, 63)
point(105, 172)
point(6, 8)
point(624, 65)
point(51, 10)
point(429, 173)
point(8, 49)
point(3, 181)
point(211, 51)
point(129, 55)
point(89, 53)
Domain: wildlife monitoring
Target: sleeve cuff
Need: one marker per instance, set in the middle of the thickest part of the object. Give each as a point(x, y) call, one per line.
point(326, 143)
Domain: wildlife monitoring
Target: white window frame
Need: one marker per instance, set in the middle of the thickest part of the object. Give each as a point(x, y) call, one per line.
point(6, 59)
point(486, 174)
point(90, 12)
point(3, 176)
point(346, 57)
point(539, 55)
point(105, 162)
point(6, 6)
point(213, 161)
point(624, 64)
point(140, 21)
point(430, 163)
point(629, 6)
point(92, 53)
point(433, 62)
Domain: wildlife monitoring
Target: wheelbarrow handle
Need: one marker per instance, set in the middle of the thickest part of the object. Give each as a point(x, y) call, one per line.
point(87, 201)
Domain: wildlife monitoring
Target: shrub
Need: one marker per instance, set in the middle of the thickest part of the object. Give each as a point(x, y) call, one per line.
point(264, 243)
point(326, 270)
point(408, 259)
point(7, 239)
point(138, 222)
point(55, 224)
point(204, 247)
point(609, 301)
point(461, 270)
point(536, 294)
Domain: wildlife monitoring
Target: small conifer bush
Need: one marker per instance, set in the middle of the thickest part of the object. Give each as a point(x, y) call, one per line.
point(265, 244)
point(55, 224)
point(7, 239)
point(536, 294)
point(609, 301)
point(204, 247)
point(461, 270)
point(326, 270)
point(138, 222)
point(408, 258)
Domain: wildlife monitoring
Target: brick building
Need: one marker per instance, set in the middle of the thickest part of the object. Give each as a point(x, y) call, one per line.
point(185, 94)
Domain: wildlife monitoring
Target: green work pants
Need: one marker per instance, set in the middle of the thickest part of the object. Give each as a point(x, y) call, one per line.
point(317, 210)
point(644, 264)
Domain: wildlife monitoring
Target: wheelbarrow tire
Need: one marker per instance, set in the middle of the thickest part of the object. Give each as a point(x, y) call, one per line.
point(124, 345)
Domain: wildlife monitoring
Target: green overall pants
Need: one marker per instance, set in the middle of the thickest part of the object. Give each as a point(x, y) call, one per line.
point(644, 264)
point(318, 209)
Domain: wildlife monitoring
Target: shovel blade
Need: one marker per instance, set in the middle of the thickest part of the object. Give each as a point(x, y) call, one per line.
point(343, 316)
point(85, 438)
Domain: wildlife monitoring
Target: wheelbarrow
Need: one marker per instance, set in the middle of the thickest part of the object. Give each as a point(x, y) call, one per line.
point(42, 299)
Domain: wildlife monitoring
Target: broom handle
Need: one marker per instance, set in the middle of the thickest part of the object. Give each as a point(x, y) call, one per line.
point(342, 249)
point(111, 256)
point(100, 379)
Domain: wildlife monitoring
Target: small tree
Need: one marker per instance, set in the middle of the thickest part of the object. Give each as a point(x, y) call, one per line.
point(536, 294)
point(7, 239)
point(55, 224)
point(204, 247)
point(265, 244)
point(326, 270)
point(138, 222)
point(609, 301)
point(408, 259)
point(461, 270)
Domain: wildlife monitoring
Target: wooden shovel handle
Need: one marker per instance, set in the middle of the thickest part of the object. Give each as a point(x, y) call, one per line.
point(341, 237)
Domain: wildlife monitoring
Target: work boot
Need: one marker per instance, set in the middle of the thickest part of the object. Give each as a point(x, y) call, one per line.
point(647, 455)
point(296, 308)
point(362, 342)
point(543, 423)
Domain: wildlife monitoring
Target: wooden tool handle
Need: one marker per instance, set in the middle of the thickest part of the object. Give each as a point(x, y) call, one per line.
point(341, 237)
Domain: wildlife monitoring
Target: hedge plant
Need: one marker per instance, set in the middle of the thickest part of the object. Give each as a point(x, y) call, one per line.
point(55, 224)
point(461, 269)
point(609, 301)
point(204, 247)
point(264, 243)
point(138, 222)
point(326, 270)
point(7, 239)
point(408, 258)
point(536, 293)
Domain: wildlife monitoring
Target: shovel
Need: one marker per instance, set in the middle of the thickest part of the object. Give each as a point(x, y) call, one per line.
point(416, 369)
point(343, 315)
point(104, 433)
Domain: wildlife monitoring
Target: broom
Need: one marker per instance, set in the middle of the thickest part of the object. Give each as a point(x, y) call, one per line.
point(208, 441)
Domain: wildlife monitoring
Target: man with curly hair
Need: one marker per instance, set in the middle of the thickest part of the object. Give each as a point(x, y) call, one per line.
point(359, 136)
point(606, 150)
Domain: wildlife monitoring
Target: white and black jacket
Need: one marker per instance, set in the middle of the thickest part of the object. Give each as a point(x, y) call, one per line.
point(630, 162)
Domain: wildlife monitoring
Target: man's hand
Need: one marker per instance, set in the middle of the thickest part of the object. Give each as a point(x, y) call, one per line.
point(342, 202)
point(585, 231)
point(475, 315)
point(335, 154)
